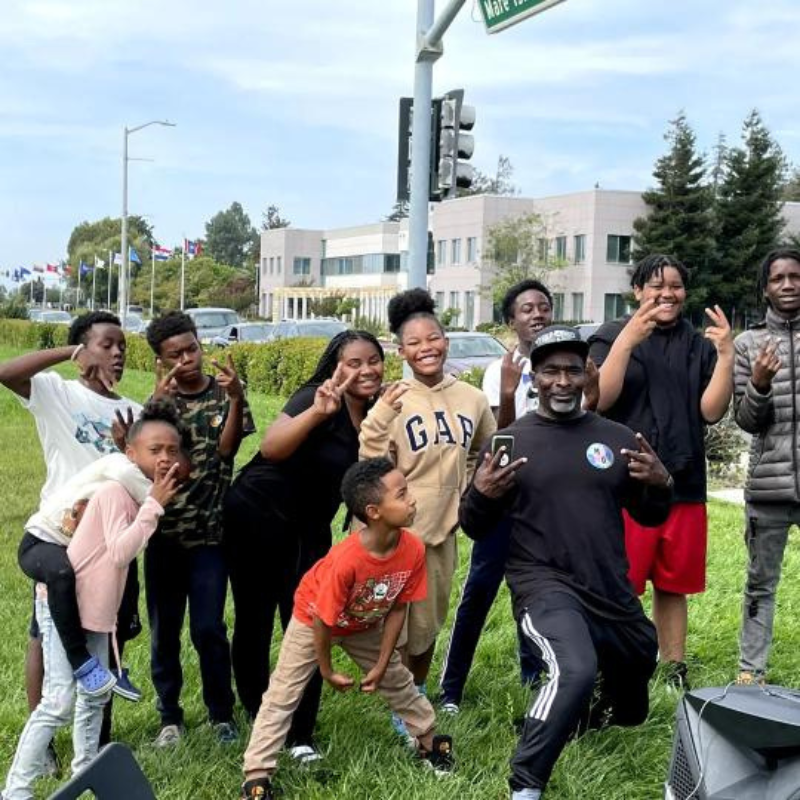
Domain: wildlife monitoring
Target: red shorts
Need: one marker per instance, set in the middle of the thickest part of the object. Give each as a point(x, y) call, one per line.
point(673, 555)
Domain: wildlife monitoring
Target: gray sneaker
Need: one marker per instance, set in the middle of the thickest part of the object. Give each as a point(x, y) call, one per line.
point(225, 732)
point(169, 736)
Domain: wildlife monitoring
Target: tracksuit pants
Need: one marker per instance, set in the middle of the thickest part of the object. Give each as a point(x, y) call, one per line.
point(578, 646)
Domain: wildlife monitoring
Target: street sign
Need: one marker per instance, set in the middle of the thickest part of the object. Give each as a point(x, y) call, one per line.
point(501, 14)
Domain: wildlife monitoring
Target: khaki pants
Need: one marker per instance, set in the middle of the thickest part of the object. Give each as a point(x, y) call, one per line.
point(296, 664)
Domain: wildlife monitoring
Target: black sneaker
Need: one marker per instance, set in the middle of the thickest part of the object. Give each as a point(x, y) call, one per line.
point(257, 789)
point(124, 688)
point(676, 676)
point(440, 757)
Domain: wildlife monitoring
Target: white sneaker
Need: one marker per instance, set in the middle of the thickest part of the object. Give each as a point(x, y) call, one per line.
point(304, 754)
point(169, 736)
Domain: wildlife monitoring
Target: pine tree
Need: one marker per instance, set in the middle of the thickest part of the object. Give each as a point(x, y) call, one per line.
point(679, 221)
point(748, 217)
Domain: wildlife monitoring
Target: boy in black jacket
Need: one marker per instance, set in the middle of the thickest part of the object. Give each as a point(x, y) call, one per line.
point(566, 567)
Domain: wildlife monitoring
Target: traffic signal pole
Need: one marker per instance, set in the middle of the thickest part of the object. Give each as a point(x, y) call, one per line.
point(428, 49)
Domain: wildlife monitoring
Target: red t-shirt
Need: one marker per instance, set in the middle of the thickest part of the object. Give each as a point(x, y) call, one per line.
point(351, 590)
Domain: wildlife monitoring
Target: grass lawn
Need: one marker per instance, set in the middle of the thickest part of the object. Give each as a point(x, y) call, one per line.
point(364, 760)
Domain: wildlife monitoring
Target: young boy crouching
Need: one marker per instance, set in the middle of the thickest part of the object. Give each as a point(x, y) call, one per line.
point(355, 597)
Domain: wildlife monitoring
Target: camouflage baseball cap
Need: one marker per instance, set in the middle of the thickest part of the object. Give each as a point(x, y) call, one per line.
point(557, 337)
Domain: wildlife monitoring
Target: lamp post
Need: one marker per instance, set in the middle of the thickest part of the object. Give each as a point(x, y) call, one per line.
point(122, 294)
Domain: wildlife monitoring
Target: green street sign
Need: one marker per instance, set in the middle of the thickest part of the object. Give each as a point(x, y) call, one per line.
point(500, 14)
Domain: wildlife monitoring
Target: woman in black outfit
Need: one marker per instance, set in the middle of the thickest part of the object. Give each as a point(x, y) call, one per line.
point(279, 510)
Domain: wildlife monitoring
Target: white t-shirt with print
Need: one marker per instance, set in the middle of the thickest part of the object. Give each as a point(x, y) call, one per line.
point(525, 398)
point(74, 425)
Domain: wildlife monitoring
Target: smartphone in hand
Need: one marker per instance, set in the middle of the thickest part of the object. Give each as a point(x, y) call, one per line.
point(507, 443)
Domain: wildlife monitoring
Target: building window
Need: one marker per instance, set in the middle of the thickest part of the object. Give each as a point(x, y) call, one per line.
point(264, 262)
point(302, 266)
point(439, 302)
point(455, 251)
point(453, 300)
point(614, 306)
point(558, 306)
point(618, 249)
point(278, 266)
point(472, 249)
point(441, 252)
point(580, 248)
point(561, 248)
point(469, 310)
point(542, 248)
point(577, 306)
point(271, 265)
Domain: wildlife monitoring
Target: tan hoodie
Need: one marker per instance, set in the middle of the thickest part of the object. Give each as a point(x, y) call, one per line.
point(434, 440)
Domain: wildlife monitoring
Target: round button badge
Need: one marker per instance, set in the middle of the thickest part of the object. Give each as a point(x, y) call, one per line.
point(599, 455)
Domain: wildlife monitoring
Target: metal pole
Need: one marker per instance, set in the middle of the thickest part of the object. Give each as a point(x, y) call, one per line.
point(152, 281)
point(94, 280)
point(183, 271)
point(420, 154)
point(123, 270)
point(437, 30)
point(110, 271)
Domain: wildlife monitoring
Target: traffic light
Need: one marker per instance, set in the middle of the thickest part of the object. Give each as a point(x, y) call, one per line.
point(454, 144)
point(404, 149)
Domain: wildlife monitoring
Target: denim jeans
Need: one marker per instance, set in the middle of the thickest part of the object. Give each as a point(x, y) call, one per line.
point(59, 694)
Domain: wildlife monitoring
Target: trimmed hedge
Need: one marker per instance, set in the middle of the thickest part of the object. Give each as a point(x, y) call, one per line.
point(277, 368)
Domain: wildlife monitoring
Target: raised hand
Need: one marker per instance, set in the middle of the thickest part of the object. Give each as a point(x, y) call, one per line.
point(720, 331)
point(510, 373)
point(166, 385)
point(392, 394)
point(328, 397)
point(591, 389)
point(92, 372)
point(166, 486)
point(120, 427)
point(228, 379)
point(491, 479)
point(766, 365)
point(644, 464)
point(642, 323)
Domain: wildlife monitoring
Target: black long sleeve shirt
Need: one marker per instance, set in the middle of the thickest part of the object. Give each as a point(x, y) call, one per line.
point(566, 511)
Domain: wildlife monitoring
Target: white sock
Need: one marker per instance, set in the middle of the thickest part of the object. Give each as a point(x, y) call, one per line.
point(526, 794)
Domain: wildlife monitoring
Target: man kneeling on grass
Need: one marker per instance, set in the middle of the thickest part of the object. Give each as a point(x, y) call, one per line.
point(355, 597)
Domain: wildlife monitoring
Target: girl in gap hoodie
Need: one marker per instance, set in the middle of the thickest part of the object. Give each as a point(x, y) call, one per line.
point(433, 427)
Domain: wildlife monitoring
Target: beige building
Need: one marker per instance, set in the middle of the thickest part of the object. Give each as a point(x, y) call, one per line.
point(588, 231)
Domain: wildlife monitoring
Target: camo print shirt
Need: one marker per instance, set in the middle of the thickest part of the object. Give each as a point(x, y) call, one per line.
point(194, 517)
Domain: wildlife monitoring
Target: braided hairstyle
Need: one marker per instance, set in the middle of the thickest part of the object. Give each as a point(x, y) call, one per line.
point(329, 359)
point(654, 265)
point(766, 266)
point(408, 305)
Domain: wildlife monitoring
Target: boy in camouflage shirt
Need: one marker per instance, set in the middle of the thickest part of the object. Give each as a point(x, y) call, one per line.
point(184, 561)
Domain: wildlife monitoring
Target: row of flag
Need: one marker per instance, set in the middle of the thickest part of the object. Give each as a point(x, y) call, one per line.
point(61, 269)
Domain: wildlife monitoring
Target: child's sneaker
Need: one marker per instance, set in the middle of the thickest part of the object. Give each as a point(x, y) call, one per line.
point(94, 679)
point(747, 677)
point(257, 789)
point(440, 757)
point(305, 754)
point(124, 688)
point(169, 736)
point(226, 732)
point(449, 707)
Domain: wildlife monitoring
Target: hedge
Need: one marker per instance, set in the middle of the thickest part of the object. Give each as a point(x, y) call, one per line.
point(277, 368)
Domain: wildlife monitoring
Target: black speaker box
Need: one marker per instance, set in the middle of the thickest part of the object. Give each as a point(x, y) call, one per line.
point(736, 743)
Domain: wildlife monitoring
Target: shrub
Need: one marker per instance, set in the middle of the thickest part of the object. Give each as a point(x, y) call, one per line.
point(14, 307)
point(473, 376)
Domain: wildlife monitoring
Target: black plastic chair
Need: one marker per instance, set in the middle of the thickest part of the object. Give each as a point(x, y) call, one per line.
point(112, 775)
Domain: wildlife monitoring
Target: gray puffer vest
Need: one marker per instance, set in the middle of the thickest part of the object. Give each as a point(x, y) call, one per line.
point(772, 418)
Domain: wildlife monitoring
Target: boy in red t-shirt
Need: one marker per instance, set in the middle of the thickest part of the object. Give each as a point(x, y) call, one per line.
point(355, 597)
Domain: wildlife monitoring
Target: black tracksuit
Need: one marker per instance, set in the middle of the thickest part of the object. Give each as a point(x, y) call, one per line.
point(567, 571)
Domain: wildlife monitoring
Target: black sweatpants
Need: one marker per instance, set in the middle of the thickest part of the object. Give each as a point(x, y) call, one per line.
point(576, 645)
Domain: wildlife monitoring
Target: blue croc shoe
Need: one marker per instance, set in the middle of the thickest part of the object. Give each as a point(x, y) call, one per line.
point(94, 679)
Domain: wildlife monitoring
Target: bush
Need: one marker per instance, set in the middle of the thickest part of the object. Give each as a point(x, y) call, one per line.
point(473, 376)
point(14, 307)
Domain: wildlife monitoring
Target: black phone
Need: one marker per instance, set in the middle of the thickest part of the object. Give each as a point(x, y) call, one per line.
point(506, 441)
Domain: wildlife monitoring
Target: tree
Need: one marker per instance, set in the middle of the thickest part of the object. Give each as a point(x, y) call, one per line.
point(399, 211)
point(748, 217)
point(230, 236)
point(680, 211)
point(271, 219)
point(518, 248)
point(500, 184)
point(791, 189)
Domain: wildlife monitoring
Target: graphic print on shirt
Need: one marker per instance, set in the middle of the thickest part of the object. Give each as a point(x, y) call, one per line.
point(371, 600)
point(599, 455)
point(94, 432)
point(419, 437)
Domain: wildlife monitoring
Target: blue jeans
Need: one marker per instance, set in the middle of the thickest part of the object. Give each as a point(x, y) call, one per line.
point(174, 576)
point(486, 571)
point(59, 694)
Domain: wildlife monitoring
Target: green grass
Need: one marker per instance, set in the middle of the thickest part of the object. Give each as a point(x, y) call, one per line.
point(364, 761)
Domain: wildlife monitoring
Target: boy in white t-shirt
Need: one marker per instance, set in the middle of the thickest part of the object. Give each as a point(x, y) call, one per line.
point(74, 421)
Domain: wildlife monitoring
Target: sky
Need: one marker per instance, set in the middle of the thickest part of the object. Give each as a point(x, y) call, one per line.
point(294, 102)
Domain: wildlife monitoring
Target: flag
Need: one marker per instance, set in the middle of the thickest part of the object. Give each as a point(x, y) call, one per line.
point(161, 253)
point(117, 259)
point(23, 273)
point(38, 268)
point(52, 268)
point(85, 269)
point(66, 269)
point(192, 248)
point(99, 263)
point(133, 256)
point(17, 277)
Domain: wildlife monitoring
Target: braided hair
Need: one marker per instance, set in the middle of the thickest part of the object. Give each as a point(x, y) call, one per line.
point(408, 305)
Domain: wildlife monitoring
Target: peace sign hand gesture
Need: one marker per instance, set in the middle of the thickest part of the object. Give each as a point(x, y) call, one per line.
point(642, 323)
point(644, 464)
point(766, 365)
point(492, 480)
point(228, 379)
point(328, 397)
point(392, 394)
point(510, 373)
point(166, 385)
point(720, 332)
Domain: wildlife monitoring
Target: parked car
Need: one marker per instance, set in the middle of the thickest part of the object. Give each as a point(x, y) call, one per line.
point(55, 317)
point(34, 314)
point(322, 328)
point(586, 329)
point(255, 332)
point(210, 322)
point(134, 323)
point(471, 349)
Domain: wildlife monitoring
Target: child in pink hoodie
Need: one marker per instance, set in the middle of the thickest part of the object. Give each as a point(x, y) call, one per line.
point(112, 531)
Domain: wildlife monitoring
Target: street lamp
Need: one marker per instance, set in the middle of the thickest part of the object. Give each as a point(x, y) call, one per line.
point(122, 293)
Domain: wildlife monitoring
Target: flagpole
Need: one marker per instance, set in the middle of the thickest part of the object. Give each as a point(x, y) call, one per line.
point(183, 271)
point(94, 280)
point(78, 296)
point(44, 294)
point(110, 270)
point(152, 280)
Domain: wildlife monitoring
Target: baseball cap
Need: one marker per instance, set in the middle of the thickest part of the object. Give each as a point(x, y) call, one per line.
point(557, 337)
